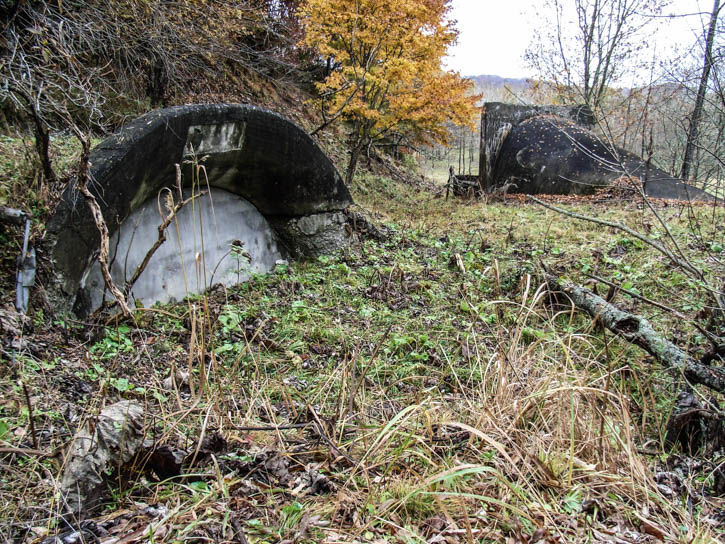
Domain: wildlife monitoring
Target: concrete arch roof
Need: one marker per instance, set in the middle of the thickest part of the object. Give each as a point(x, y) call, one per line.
point(249, 151)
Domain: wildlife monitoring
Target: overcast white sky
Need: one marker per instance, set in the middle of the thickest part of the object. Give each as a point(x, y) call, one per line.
point(495, 33)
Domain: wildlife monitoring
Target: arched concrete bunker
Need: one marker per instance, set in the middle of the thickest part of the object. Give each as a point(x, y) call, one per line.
point(271, 194)
point(553, 150)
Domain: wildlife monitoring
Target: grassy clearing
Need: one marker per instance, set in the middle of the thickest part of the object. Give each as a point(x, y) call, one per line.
point(436, 398)
point(437, 170)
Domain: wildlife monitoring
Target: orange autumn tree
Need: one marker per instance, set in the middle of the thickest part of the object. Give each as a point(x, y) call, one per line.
point(388, 77)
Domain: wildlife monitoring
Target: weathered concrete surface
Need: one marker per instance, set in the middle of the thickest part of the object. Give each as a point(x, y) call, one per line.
point(549, 154)
point(248, 151)
point(497, 119)
point(312, 235)
point(98, 452)
point(207, 249)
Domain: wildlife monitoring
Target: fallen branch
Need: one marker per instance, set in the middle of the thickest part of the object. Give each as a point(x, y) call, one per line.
point(320, 428)
point(23, 451)
point(637, 330)
point(715, 340)
point(272, 428)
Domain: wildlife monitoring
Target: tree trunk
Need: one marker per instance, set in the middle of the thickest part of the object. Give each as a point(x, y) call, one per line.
point(693, 134)
point(352, 164)
point(42, 146)
point(359, 140)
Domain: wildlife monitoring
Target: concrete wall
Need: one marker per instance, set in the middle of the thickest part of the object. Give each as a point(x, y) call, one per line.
point(498, 118)
point(206, 245)
point(553, 150)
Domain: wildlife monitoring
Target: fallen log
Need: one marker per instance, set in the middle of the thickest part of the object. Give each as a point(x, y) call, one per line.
point(637, 330)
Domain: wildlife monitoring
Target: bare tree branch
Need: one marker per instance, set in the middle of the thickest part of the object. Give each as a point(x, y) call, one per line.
point(173, 210)
point(82, 186)
point(659, 247)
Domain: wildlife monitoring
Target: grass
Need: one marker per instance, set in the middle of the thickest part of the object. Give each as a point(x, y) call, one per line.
point(443, 397)
point(20, 172)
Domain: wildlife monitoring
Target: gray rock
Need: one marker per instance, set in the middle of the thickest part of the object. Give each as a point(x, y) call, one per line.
point(98, 451)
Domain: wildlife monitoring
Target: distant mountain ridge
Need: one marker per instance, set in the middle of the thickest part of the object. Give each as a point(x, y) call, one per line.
point(491, 81)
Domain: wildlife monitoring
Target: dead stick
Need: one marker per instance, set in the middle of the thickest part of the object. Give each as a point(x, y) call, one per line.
point(238, 531)
point(659, 247)
point(353, 382)
point(160, 240)
point(30, 416)
point(321, 432)
point(99, 221)
point(367, 366)
point(24, 451)
point(271, 428)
